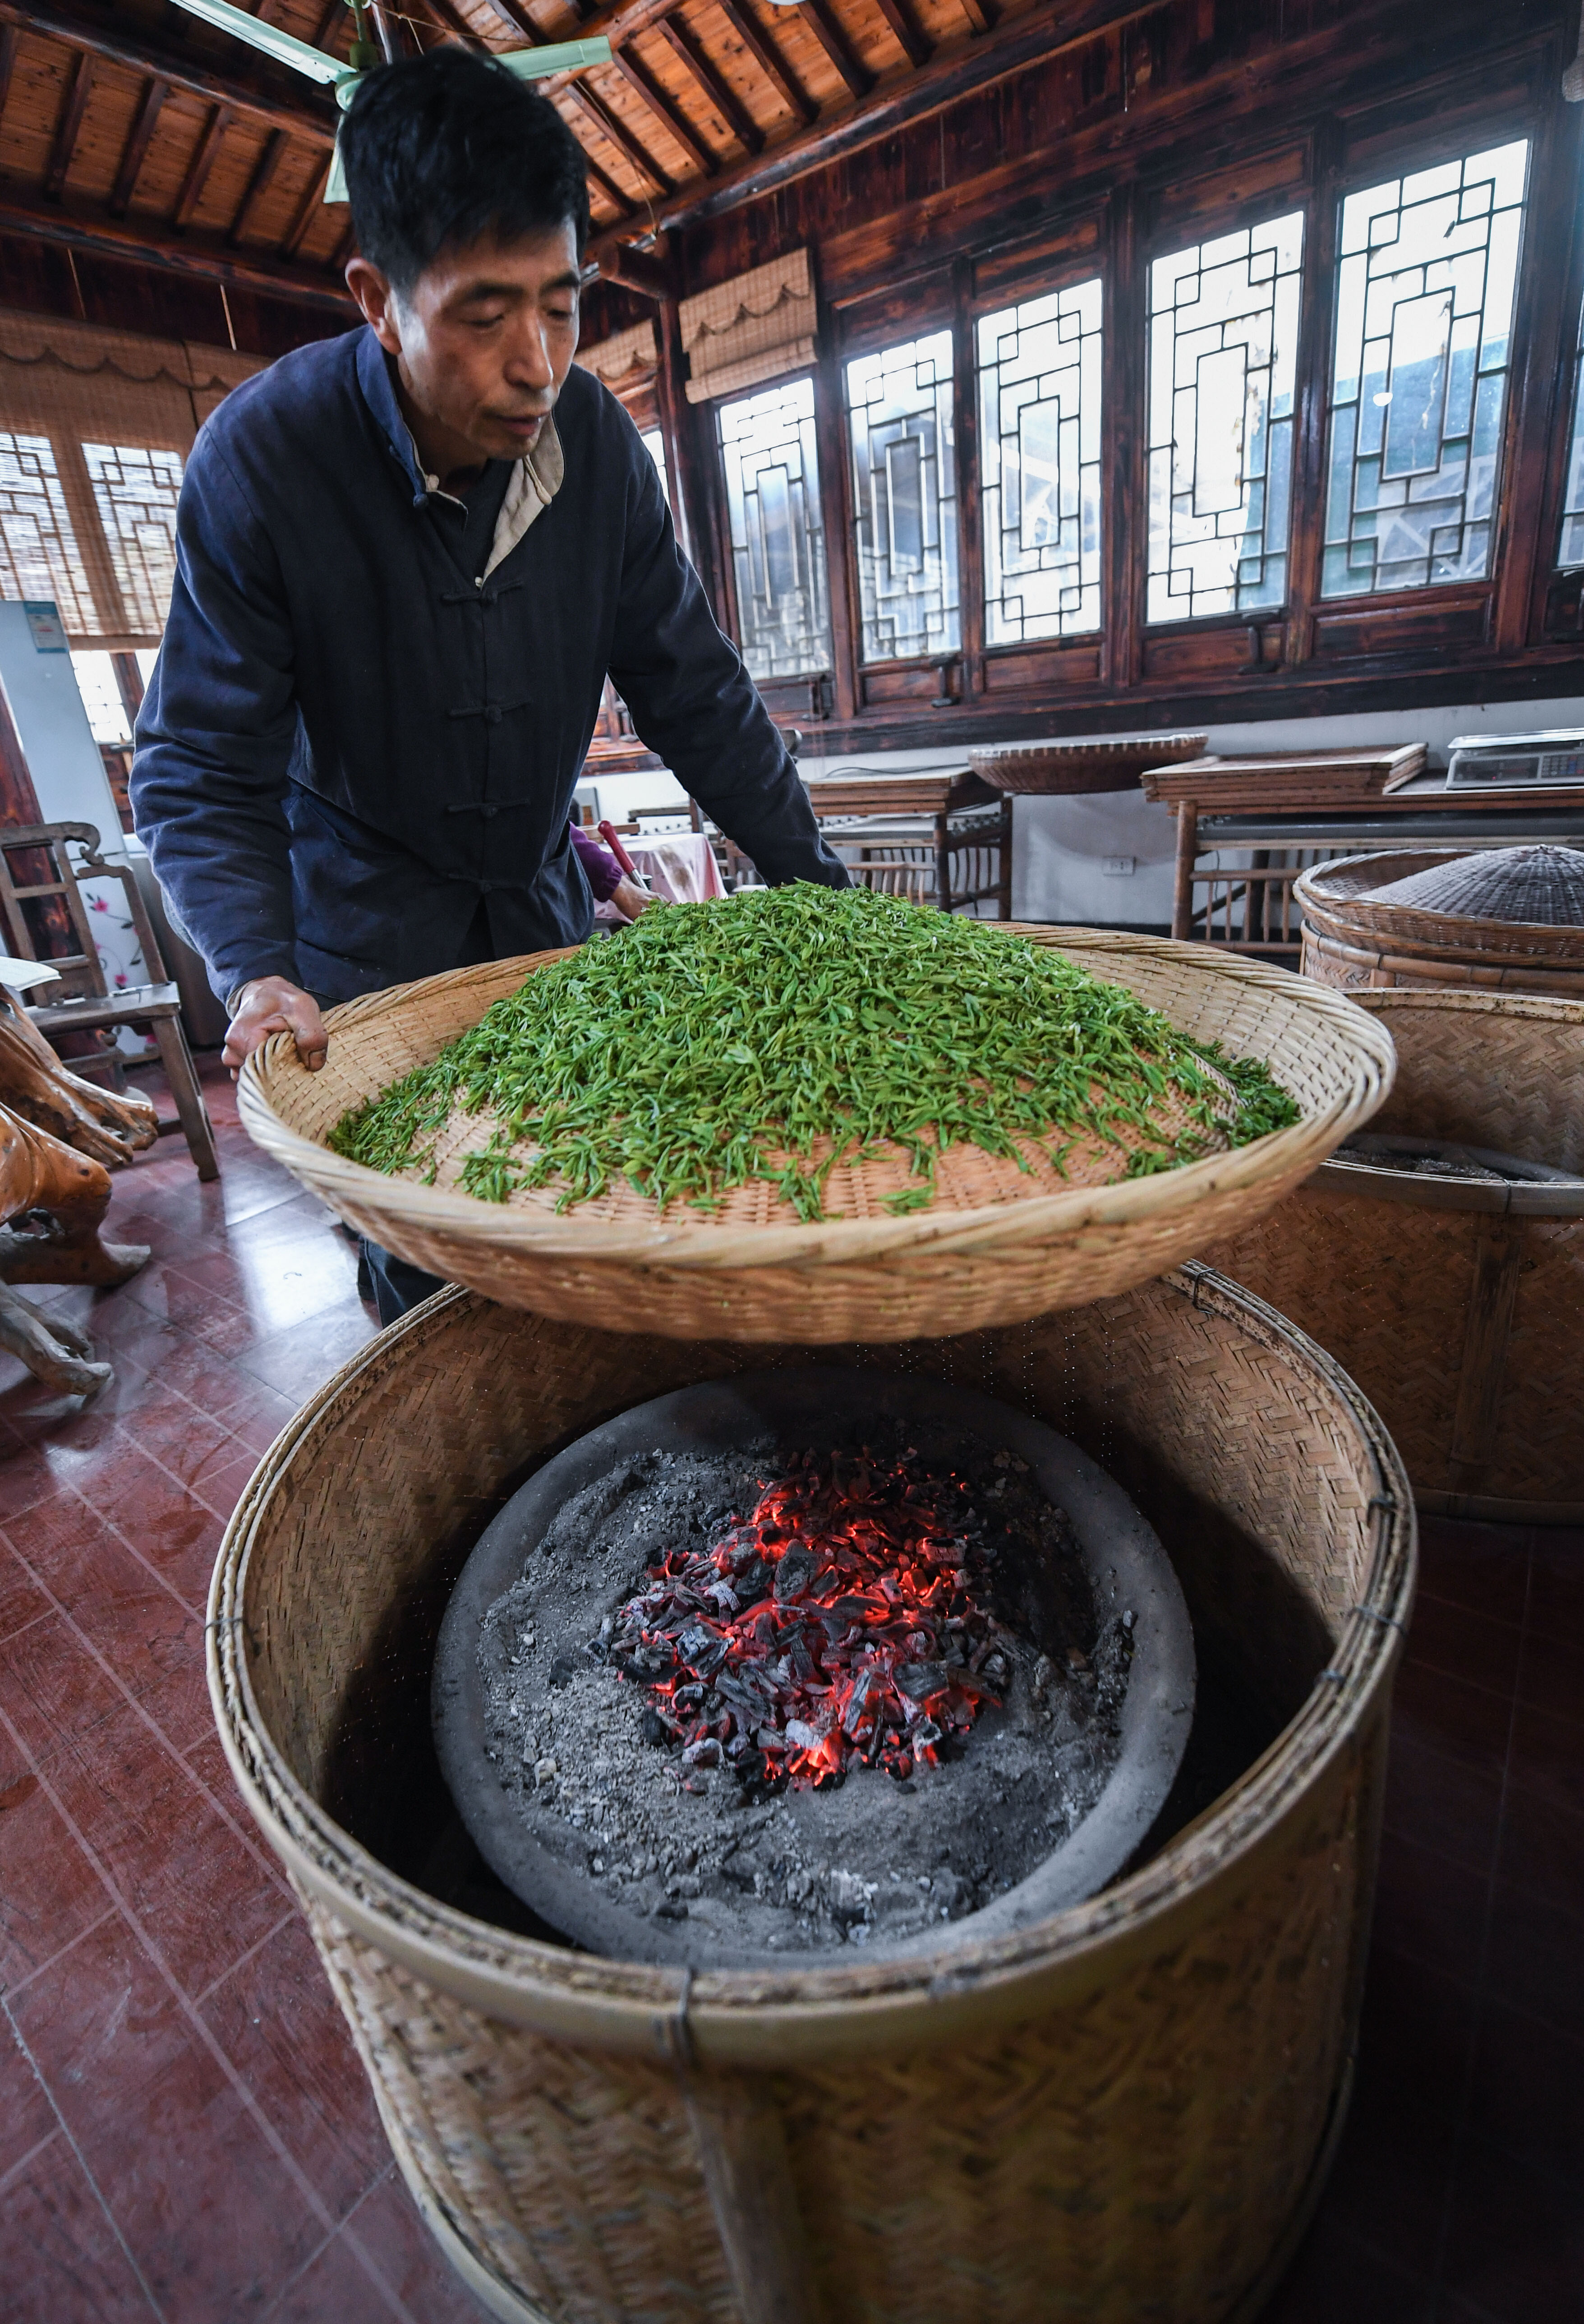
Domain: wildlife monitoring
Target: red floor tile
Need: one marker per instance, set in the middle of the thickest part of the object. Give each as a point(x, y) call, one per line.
point(198, 1892)
point(1430, 1911)
point(26, 2116)
point(1537, 1960)
point(50, 1891)
point(1483, 1568)
point(64, 2263)
point(1515, 2245)
point(51, 1689)
point(213, 2217)
point(1542, 1853)
point(21, 1601)
point(338, 2287)
point(278, 2021)
point(1465, 1644)
point(1446, 1712)
point(1527, 2092)
point(1443, 1804)
point(1335, 2280)
point(1416, 2037)
point(1548, 1756)
point(1392, 2180)
point(392, 2238)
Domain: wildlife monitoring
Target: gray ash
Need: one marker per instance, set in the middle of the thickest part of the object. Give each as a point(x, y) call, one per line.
point(804, 1698)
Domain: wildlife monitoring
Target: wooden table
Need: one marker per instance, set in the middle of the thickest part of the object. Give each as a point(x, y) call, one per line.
point(881, 816)
point(1424, 813)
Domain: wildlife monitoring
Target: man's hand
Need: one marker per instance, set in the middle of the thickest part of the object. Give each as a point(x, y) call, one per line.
point(270, 1005)
point(631, 901)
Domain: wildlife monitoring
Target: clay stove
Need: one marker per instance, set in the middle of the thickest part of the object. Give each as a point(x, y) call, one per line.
point(804, 1659)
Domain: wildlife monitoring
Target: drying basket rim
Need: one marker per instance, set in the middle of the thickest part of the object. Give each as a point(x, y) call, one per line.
point(684, 1243)
point(745, 2017)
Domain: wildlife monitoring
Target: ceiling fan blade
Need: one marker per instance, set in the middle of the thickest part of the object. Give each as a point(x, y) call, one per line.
point(284, 47)
point(533, 64)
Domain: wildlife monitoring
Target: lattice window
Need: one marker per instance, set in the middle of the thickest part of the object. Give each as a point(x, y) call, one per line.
point(778, 538)
point(101, 697)
point(1425, 279)
point(1223, 349)
point(654, 444)
point(1039, 410)
point(1571, 544)
point(136, 492)
point(39, 555)
point(905, 499)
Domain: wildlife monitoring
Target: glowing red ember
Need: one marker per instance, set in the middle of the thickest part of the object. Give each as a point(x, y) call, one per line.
point(835, 1626)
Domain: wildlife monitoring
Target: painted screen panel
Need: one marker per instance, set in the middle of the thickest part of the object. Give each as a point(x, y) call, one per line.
point(902, 433)
point(1039, 435)
point(772, 469)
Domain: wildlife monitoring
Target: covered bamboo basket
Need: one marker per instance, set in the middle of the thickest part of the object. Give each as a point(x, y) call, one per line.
point(1458, 1306)
point(1352, 942)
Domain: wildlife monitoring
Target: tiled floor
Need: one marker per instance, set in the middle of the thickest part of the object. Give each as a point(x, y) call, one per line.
point(185, 2132)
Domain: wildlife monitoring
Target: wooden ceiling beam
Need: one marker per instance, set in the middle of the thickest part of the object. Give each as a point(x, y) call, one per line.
point(518, 20)
point(833, 38)
point(625, 206)
point(308, 209)
point(259, 184)
point(449, 20)
point(9, 36)
point(725, 99)
point(982, 15)
point(71, 127)
point(198, 168)
point(146, 244)
point(901, 96)
point(110, 39)
point(638, 270)
point(613, 126)
point(633, 69)
point(137, 145)
point(774, 65)
point(899, 15)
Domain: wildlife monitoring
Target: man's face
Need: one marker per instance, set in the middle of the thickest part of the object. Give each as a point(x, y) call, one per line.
point(482, 342)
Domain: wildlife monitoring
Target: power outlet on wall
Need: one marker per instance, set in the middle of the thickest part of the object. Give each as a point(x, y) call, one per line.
point(1117, 867)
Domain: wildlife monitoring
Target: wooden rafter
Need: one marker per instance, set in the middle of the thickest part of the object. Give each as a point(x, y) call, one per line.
point(903, 96)
point(137, 145)
point(450, 21)
point(633, 69)
point(899, 15)
point(613, 126)
point(259, 184)
point(147, 244)
point(109, 39)
point(308, 209)
point(518, 20)
point(9, 37)
point(683, 45)
point(71, 128)
point(828, 32)
point(622, 202)
point(982, 15)
point(202, 162)
point(761, 46)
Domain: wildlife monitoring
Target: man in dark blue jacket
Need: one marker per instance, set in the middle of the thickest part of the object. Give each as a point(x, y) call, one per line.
point(405, 561)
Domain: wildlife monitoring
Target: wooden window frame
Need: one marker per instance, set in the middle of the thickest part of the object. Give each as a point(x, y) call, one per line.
point(1519, 630)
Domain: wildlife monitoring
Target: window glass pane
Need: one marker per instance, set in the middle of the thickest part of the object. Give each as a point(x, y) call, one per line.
point(1570, 547)
point(135, 490)
point(39, 556)
point(101, 697)
point(1223, 348)
point(905, 499)
point(778, 538)
point(654, 444)
point(1039, 375)
point(1426, 274)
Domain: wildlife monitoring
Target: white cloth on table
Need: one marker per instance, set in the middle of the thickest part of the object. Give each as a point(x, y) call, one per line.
point(681, 867)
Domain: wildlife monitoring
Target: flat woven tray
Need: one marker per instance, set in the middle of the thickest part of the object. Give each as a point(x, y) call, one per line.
point(994, 1247)
point(1114, 763)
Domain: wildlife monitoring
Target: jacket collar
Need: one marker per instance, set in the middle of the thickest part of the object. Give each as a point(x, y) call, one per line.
point(533, 488)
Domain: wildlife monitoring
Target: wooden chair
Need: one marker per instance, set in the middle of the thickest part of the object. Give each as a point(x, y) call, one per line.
point(42, 867)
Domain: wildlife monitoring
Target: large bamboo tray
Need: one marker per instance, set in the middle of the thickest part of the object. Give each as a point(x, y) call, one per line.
point(988, 1251)
point(1121, 2113)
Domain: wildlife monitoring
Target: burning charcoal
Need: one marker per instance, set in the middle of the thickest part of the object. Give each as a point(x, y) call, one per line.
point(980, 1689)
point(562, 1669)
point(794, 1574)
point(705, 1753)
point(654, 1730)
point(848, 1896)
point(670, 1908)
point(919, 1680)
point(802, 1736)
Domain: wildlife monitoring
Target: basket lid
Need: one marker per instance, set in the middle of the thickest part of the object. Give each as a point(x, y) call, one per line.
point(1541, 885)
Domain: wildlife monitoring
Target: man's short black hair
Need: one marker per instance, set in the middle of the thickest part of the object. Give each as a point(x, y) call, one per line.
point(442, 149)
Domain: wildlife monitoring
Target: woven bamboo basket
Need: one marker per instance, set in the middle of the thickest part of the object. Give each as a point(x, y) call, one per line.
point(1120, 2115)
point(996, 1245)
point(1113, 762)
point(1457, 1306)
point(1352, 943)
